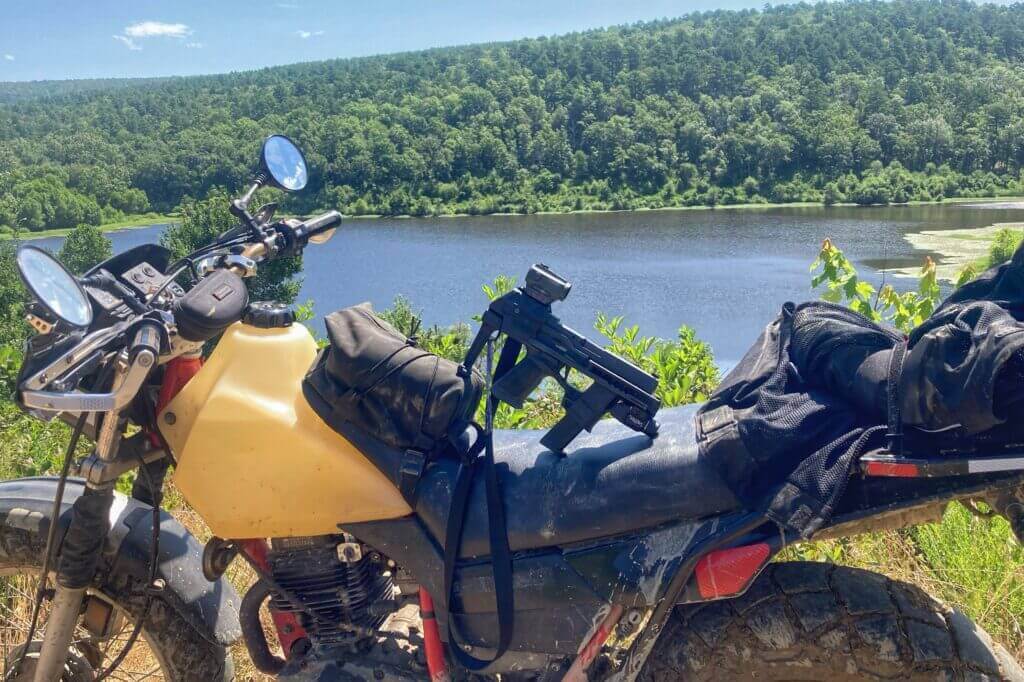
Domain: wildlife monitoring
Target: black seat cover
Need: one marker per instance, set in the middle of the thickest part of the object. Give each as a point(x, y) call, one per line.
point(612, 481)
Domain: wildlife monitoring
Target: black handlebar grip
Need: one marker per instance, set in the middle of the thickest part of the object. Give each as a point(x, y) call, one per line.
point(296, 235)
point(319, 224)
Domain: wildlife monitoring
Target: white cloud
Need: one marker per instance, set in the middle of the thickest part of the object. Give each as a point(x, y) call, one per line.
point(9, 57)
point(194, 46)
point(134, 33)
point(306, 35)
point(150, 29)
point(128, 42)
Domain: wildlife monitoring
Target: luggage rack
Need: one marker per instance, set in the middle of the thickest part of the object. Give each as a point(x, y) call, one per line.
point(883, 463)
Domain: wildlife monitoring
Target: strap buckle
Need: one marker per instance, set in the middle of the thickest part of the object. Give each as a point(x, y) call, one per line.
point(470, 455)
point(413, 465)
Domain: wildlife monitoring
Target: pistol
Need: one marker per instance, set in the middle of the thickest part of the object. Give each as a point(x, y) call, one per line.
point(524, 316)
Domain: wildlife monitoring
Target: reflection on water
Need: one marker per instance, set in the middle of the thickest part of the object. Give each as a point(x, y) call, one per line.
point(724, 272)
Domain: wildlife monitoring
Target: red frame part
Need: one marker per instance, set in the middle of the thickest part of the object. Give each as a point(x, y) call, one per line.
point(592, 647)
point(437, 667)
point(891, 469)
point(177, 373)
point(289, 629)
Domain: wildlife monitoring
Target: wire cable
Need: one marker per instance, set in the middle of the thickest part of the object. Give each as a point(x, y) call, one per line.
point(51, 537)
point(154, 555)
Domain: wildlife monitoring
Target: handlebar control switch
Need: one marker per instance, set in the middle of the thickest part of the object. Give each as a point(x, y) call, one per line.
point(268, 315)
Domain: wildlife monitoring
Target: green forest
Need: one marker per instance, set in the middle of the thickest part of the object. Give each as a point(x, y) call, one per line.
point(862, 102)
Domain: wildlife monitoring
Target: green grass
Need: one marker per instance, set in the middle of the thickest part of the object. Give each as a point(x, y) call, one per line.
point(976, 564)
point(29, 447)
point(132, 221)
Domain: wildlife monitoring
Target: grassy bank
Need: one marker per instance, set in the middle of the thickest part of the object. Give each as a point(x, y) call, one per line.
point(127, 223)
point(719, 207)
point(148, 219)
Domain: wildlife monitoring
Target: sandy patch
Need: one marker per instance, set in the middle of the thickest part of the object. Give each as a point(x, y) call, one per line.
point(953, 249)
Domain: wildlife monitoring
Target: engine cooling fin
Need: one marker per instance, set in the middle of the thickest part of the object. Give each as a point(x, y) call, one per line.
point(341, 581)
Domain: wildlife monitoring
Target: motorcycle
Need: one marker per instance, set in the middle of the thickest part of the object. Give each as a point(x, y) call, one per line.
point(630, 558)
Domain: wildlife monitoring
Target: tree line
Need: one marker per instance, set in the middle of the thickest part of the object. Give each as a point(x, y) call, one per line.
point(865, 102)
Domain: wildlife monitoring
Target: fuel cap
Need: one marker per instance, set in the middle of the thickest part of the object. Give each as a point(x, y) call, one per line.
point(268, 315)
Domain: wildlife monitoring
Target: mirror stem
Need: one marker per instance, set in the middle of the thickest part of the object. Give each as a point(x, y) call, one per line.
point(240, 207)
point(247, 197)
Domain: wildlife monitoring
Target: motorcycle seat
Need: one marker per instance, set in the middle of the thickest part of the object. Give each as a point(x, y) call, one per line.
point(610, 482)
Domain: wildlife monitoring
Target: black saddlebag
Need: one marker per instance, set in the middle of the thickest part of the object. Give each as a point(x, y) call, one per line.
point(374, 378)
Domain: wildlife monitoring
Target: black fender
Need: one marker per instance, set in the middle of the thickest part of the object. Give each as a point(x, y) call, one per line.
point(27, 503)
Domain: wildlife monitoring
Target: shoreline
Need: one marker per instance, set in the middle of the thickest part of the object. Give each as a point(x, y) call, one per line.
point(952, 249)
point(1010, 199)
point(130, 223)
point(151, 219)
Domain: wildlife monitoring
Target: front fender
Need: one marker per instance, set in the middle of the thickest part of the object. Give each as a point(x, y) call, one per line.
point(27, 503)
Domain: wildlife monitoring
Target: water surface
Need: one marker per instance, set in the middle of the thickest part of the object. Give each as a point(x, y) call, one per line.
point(724, 272)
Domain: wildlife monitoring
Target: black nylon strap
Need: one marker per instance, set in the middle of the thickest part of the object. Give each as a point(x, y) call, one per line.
point(501, 555)
point(895, 435)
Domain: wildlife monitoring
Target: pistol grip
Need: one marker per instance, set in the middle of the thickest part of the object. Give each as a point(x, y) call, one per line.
point(520, 381)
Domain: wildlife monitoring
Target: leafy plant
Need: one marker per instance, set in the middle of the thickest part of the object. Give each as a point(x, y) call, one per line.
point(1006, 241)
point(501, 285)
point(843, 285)
point(448, 342)
point(966, 274)
point(84, 247)
point(685, 367)
point(1002, 248)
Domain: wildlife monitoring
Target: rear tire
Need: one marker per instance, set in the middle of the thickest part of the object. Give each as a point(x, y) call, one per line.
point(815, 621)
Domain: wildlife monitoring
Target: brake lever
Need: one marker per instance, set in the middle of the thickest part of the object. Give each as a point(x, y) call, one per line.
point(74, 356)
point(140, 359)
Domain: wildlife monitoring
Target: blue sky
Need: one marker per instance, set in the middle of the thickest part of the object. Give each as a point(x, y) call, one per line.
point(56, 39)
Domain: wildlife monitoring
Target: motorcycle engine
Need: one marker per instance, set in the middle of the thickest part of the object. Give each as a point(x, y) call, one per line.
point(345, 583)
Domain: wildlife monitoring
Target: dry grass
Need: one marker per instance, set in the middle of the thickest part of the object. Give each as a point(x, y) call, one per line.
point(17, 594)
point(242, 577)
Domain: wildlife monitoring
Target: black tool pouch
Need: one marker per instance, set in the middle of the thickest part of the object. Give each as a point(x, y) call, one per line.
point(373, 377)
point(213, 305)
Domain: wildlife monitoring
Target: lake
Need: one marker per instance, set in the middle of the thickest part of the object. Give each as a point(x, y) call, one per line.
point(724, 272)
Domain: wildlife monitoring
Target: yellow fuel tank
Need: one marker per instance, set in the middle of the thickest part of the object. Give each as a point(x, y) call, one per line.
point(254, 459)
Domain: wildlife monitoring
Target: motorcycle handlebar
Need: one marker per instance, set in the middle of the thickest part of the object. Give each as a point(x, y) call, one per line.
point(314, 226)
point(143, 351)
point(293, 236)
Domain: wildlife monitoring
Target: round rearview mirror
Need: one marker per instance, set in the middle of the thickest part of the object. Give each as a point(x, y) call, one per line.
point(53, 287)
point(284, 164)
